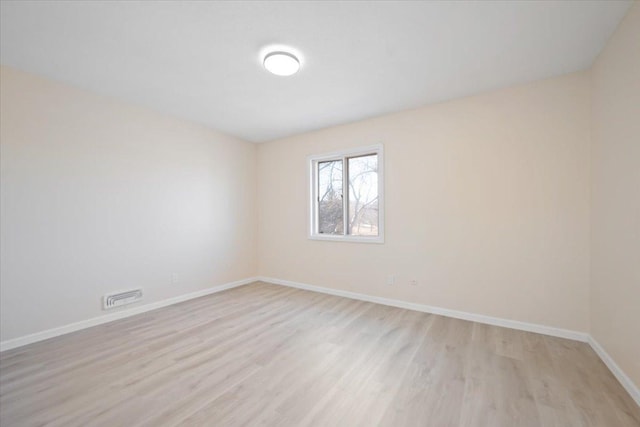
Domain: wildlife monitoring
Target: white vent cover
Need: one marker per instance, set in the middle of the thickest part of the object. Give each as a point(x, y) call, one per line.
point(121, 298)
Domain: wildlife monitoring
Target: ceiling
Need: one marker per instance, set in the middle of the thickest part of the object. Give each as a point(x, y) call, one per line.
point(202, 60)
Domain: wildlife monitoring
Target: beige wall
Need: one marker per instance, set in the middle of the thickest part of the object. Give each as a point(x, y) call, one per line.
point(98, 195)
point(487, 206)
point(615, 247)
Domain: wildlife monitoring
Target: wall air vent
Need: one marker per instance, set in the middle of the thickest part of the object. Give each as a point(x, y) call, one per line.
point(121, 298)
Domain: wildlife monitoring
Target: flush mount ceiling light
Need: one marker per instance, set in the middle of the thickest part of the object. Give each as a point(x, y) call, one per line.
point(281, 63)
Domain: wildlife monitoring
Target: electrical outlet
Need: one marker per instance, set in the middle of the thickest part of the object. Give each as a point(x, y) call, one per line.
point(413, 282)
point(391, 279)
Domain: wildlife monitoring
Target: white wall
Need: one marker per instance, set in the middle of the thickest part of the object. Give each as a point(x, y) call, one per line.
point(487, 205)
point(98, 195)
point(615, 247)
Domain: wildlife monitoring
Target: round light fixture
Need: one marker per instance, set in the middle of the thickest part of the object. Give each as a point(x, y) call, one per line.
point(281, 63)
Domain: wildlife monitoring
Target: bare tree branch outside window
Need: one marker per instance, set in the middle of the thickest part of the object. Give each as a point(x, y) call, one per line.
point(361, 182)
point(330, 197)
point(363, 195)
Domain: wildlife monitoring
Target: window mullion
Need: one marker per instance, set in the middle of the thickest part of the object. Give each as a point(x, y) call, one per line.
point(316, 173)
point(345, 195)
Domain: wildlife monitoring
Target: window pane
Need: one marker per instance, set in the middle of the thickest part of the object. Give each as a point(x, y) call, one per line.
point(363, 195)
point(330, 210)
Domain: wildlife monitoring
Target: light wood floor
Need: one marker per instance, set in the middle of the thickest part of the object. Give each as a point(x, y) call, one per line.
point(269, 355)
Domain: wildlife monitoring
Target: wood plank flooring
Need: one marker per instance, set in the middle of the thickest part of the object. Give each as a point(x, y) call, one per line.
point(269, 355)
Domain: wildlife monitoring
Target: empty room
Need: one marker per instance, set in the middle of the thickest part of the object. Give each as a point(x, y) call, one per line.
point(320, 213)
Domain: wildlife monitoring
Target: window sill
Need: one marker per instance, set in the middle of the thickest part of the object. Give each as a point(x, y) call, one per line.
point(347, 239)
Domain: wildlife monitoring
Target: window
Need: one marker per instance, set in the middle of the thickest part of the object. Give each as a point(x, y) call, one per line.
point(346, 196)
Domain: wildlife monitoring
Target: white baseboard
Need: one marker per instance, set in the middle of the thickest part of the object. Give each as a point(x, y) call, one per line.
point(73, 327)
point(513, 324)
point(626, 382)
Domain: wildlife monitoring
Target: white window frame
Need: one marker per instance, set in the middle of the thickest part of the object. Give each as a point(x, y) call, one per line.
point(313, 194)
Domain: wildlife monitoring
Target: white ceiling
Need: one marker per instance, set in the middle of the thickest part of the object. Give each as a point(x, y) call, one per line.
point(202, 60)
